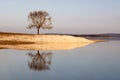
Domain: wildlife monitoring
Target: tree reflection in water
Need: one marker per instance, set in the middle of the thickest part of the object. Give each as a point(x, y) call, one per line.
point(40, 61)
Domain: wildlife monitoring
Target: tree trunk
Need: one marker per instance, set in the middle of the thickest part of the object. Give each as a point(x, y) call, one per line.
point(38, 30)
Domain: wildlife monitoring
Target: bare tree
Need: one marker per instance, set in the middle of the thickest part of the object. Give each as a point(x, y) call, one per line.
point(39, 19)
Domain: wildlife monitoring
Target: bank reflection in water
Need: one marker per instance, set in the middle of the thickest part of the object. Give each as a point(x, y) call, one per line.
point(39, 61)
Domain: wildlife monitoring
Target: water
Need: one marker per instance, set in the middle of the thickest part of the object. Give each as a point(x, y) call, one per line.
point(98, 61)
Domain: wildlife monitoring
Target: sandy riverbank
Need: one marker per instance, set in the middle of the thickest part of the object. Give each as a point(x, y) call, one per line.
point(41, 42)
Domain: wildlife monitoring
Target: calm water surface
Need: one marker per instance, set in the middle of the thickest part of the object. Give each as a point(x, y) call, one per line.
point(98, 61)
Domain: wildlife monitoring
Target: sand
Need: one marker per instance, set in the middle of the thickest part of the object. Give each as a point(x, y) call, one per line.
point(42, 42)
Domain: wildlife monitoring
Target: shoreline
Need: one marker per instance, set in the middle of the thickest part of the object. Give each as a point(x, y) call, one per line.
point(41, 42)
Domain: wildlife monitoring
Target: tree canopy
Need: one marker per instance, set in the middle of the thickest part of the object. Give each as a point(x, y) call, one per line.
point(39, 19)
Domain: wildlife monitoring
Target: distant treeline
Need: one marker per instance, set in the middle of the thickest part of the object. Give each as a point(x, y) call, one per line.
point(91, 35)
point(98, 35)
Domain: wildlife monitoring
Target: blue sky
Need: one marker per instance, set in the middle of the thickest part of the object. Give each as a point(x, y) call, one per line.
point(68, 16)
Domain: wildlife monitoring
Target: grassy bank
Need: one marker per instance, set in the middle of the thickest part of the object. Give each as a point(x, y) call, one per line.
point(41, 42)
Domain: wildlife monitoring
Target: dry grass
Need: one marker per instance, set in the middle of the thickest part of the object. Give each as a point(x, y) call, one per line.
point(41, 42)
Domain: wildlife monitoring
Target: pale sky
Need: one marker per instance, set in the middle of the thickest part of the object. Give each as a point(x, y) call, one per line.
point(68, 16)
